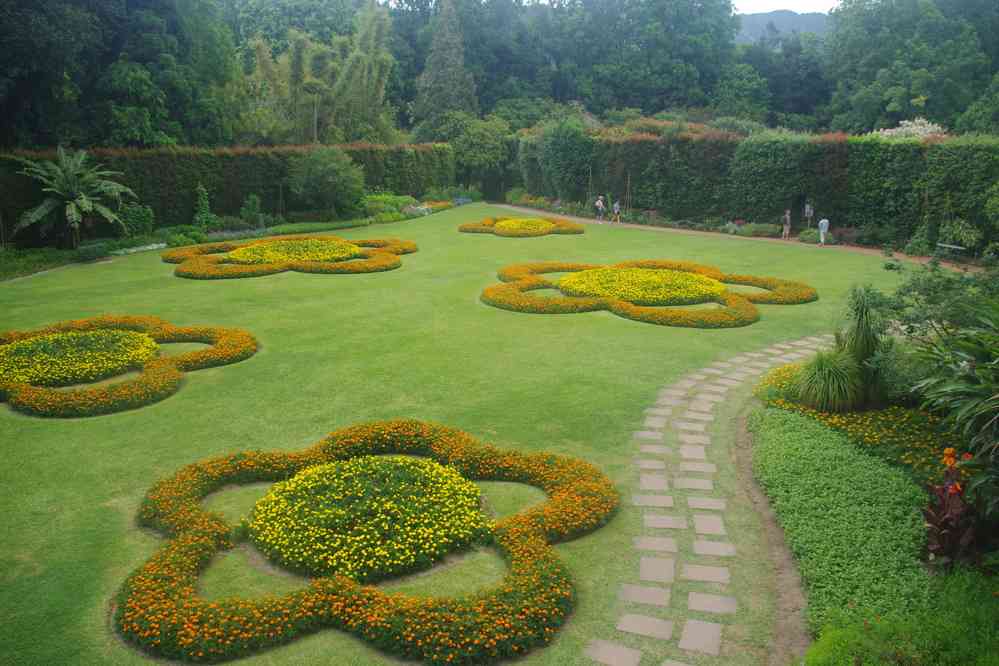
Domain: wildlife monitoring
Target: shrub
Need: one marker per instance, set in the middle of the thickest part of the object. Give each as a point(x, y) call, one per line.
point(203, 218)
point(329, 179)
point(453, 193)
point(139, 220)
point(811, 236)
point(759, 230)
point(864, 336)
point(375, 204)
point(317, 227)
point(515, 195)
point(830, 382)
point(253, 216)
point(93, 251)
point(852, 522)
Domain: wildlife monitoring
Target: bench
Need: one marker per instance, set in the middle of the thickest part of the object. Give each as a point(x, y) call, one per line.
point(952, 248)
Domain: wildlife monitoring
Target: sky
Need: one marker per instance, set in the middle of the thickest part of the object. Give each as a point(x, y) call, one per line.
point(800, 6)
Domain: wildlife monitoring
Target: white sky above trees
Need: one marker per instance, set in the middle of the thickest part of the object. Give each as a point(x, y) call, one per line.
point(800, 6)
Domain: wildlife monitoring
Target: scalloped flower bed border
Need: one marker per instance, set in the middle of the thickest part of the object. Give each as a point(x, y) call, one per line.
point(519, 280)
point(159, 378)
point(160, 610)
point(488, 226)
point(206, 262)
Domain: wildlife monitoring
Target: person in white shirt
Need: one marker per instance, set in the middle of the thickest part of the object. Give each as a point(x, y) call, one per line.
point(823, 230)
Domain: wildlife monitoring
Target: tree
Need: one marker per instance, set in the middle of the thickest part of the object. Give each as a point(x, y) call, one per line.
point(327, 179)
point(742, 93)
point(76, 192)
point(445, 85)
point(480, 149)
point(983, 115)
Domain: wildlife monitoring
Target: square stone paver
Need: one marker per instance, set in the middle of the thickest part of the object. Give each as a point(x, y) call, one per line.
point(706, 503)
point(701, 406)
point(612, 654)
point(698, 636)
point(657, 569)
point(673, 393)
point(653, 482)
point(713, 371)
point(659, 521)
point(659, 544)
point(692, 452)
point(693, 426)
point(659, 411)
point(693, 484)
point(709, 397)
point(669, 402)
point(703, 468)
point(690, 438)
point(648, 463)
point(644, 625)
point(714, 548)
point(655, 448)
point(645, 594)
point(685, 383)
point(648, 435)
point(728, 381)
point(706, 524)
point(715, 388)
point(753, 354)
point(706, 574)
point(663, 501)
point(655, 421)
point(743, 375)
point(697, 416)
point(673, 662)
point(721, 364)
point(712, 603)
point(788, 358)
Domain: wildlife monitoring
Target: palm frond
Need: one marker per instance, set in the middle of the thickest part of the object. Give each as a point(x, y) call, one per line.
point(37, 214)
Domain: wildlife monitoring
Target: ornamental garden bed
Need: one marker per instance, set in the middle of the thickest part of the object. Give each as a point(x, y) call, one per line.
point(522, 227)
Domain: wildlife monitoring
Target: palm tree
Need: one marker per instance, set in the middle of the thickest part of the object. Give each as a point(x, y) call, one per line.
point(74, 190)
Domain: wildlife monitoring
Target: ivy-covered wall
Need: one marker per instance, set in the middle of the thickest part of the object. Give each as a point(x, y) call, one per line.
point(880, 190)
point(166, 178)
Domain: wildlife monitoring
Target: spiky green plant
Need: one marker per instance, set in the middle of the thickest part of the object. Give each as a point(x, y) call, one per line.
point(74, 190)
point(830, 382)
point(864, 336)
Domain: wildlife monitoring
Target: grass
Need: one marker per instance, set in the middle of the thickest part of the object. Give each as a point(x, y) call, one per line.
point(338, 350)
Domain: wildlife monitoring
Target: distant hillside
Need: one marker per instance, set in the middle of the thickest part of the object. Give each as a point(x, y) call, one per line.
point(754, 25)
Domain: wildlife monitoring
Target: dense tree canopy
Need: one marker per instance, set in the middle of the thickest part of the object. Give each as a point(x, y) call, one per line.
point(215, 72)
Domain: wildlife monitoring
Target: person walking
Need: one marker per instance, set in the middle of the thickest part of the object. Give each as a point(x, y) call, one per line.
point(809, 213)
point(601, 207)
point(823, 230)
point(617, 212)
point(786, 221)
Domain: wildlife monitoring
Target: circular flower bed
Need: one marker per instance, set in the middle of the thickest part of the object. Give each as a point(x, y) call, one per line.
point(643, 286)
point(61, 359)
point(33, 363)
point(304, 254)
point(306, 249)
point(160, 610)
point(367, 518)
point(526, 227)
point(634, 295)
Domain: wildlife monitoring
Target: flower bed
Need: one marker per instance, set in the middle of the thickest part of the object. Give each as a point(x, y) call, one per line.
point(304, 254)
point(367, 518)
point(634, 295)
point(33, 363)
point(527, 227)
point(160, 610)
point(904, 436)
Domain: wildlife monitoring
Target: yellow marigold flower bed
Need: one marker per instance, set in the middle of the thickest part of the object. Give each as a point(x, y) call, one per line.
point(643, 286)
point(306, 249)
point(368, 518)
point(520, 282)
point(61, 359)
point(71, 352)
point(905, 436)
point(160, 610)
point(522, 227)
point(304, 254)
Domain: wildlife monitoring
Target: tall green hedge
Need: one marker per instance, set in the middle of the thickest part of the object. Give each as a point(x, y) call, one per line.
point(166, 178)
point(885, 189)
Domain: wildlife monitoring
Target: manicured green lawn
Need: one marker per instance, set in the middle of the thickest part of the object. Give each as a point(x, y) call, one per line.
point(337, 350)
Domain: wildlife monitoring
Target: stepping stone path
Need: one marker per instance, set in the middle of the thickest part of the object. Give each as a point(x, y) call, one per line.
point(674, 489)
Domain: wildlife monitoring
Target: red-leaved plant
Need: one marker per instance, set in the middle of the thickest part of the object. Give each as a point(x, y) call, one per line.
point(950, 520)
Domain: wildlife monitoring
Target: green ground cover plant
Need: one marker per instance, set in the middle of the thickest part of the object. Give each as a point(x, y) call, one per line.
point(334, 352)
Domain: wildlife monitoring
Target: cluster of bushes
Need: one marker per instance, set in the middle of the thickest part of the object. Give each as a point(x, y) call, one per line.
point(166, 179)
point(885, 190)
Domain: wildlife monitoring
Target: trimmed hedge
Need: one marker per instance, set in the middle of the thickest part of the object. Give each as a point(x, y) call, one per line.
point(884, 188)
point(165, 178)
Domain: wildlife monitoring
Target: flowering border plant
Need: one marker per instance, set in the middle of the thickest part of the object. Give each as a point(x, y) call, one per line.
point(159, 608)
point(159, 377)
point(530, 227)
point(208, 261)
point(738, 309)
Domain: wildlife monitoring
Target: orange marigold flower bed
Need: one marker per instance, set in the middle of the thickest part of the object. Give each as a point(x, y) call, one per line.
point(160, 610)
point(521, 281)
point(159, 377)
point(513, 227)
point(209, 261)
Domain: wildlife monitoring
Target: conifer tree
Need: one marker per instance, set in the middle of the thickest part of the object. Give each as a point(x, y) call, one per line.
point(445, 85)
